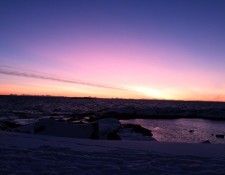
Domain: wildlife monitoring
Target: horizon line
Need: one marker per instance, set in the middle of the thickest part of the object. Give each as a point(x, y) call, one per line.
point(119, 98)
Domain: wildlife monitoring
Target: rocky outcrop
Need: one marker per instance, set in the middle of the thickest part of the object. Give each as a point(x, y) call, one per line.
point(220, 136)
point(101, 129)
point(138, 129)
point(62, 129)
point(7, 125)
point(108, 128)
point(206, 142)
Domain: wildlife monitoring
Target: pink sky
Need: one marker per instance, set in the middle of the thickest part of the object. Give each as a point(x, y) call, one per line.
point(159, 73)
point(146, 49)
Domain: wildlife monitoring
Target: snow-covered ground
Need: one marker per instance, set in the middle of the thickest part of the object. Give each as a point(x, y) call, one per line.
point(40, 154)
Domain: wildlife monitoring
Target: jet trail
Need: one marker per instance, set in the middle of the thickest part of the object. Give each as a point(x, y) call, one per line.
point(38, 76)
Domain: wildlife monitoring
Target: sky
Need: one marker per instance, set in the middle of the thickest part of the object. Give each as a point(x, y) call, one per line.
point(153, 49)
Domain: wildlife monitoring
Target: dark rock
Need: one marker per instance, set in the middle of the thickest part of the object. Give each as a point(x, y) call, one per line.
point(105, 129)
point(113, 136)
point(138, 129)
point(108, 127)
point(29, 129)
point(39, 129)
point(220, 136)
point(206, 142)
point(62, 129)
point(95, 133)
point(5, 125)
point(191, 131)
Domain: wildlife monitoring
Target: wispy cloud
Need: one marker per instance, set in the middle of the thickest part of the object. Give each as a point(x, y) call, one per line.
point(7, 70)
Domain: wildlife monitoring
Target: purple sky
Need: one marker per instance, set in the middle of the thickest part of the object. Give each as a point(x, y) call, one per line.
point(115, 48)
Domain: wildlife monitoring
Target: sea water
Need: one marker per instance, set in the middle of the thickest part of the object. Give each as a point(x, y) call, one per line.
point(183, 130)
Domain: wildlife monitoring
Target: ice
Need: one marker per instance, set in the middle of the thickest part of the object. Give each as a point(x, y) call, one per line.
point(28, 107)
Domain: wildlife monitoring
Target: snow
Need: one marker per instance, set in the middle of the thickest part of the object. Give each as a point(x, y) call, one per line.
point(40, 154)
point(52, 147)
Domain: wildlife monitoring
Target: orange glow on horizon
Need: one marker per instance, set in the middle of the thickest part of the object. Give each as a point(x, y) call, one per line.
point(62, 89)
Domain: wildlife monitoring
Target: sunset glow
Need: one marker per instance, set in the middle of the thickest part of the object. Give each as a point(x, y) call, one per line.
point(114, 49)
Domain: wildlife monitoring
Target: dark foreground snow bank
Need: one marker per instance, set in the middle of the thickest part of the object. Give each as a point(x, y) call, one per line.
point(39, 154)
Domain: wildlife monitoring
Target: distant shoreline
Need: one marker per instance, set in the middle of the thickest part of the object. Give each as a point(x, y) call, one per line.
point(116, 98)
point(77, 108)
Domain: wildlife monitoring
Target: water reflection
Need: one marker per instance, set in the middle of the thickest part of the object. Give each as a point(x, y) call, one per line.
point(183, 130)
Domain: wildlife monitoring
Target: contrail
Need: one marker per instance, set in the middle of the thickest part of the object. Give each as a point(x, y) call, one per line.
point(31, 75)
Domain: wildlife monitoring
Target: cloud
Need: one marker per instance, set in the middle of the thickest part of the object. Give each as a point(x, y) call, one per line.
point(6, 71)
